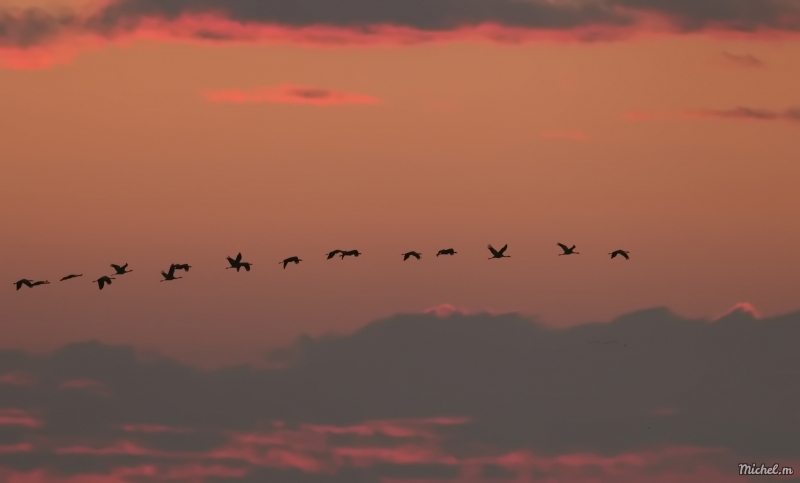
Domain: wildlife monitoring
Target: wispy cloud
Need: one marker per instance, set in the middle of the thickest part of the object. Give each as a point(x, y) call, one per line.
point(748, 113)
point(741, 60)
point(289, 94)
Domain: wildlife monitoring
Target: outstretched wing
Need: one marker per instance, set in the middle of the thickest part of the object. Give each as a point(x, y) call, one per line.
point(239, 257)
point(494, 252)
point(624, 254)
point(563, 247)
point(117, 267)
point(172, 268)
point(502, 250)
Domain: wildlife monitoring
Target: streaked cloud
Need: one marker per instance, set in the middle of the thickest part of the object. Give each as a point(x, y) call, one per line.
point(354, 22)
point(748, 113)
point(741, 60)
point(289, 94)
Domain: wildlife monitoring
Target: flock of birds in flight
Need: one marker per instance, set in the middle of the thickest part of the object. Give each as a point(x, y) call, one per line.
point(238, 264)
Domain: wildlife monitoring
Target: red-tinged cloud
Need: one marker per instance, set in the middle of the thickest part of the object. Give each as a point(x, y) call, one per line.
point(740, 60)
point(355, 22)
point(574, 135)
point(154, 429)
point(741, 308)
point(18, 417)
point(445, 310)
point(289, 94)
point(748, 113)
point(17, 379)
point(16, 448)
point(88, 385)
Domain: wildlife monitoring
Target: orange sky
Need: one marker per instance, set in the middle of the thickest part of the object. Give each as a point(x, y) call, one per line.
point(116, 155)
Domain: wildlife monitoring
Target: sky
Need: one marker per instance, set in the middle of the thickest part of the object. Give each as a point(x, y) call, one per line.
point(153, 132)
point(150, 133)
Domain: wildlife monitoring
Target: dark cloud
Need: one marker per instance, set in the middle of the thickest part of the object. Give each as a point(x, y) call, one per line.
point(32, 27)
point(791, 114)
point(421, 396)
point(24, 28)
point(742, 60)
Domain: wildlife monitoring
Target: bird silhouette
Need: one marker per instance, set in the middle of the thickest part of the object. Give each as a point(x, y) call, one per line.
point(40, 282)
point(237, 263)
point(104, 280)
point(333, 254)
point(446, 251)
point(411, 254)
point(24, 281)
point(622, 253)
point(567, 251)
point(121, 270)
point(182, 266)
point(68, 277)
point(348, 253)
point(170, 275)
point(290, 260)
point(498, 253)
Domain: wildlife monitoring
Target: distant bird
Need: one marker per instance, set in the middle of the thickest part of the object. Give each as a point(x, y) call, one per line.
point(333, 254)
point(237, 263)
point(40, 282)
point(567, 251)
point(104, 280)
point(170, 275)
point(348, 253)
point(68, 277)
point(290, 260)
point(182, 266)
point(498, 253)
point(24, 281)
point(411, 254)
point(121, 270)
point(446, 251)
point(622, 253)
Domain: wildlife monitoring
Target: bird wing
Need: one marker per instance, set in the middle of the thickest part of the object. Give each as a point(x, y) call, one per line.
point(172, 270)
point(563, 247)
point(246, 266)
point(491, 249)
point(239, 257)
point(231, 261)
point(624, 254)
point(117, 267)
point(503, 249)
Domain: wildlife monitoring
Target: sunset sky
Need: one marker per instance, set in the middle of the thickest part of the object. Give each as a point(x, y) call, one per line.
point(153, 132)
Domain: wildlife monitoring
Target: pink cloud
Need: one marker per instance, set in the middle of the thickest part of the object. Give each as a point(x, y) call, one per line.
point(18, 417)
point(791, 114)
point(289, 94)
point(574, 135)
point(153, 428)
point(445, 310)
point(744, 307)
point(17, 379)
point(16, 448)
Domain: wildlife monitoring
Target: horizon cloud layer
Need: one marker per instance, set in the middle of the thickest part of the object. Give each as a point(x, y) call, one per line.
point(649, 396)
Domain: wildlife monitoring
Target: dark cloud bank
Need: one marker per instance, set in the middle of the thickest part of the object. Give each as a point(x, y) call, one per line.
point(23, 28)
point(497, 384)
